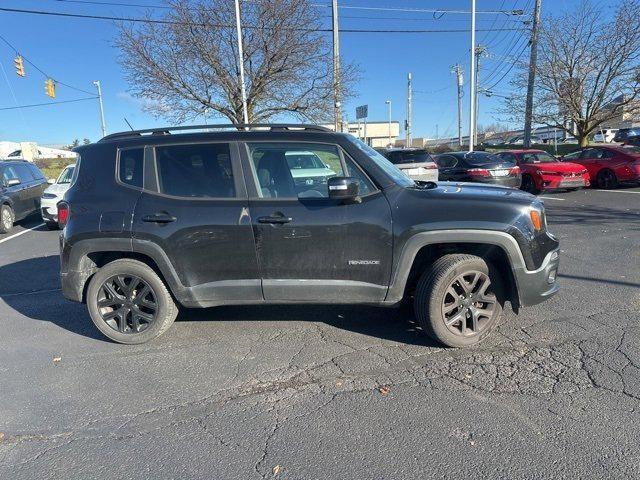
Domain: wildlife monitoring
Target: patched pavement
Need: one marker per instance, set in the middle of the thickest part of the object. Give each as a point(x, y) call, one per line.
point(333, 392)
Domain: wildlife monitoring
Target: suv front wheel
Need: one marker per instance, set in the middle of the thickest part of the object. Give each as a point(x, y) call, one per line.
point(458, 301)
point(129, 303)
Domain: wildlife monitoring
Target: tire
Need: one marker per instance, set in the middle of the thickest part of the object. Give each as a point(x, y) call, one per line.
point(606, 179)
point(433, 292)
point(528, 185)
point(7, 218)
point(52, 225)
point(131, 330)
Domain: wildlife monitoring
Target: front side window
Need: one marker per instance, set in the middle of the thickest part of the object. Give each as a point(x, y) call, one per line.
point(294, 170)
point(24, 173)
point(131, 166)
point(196, 171)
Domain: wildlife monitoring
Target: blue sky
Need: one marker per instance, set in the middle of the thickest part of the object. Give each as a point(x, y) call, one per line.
point(77, 51)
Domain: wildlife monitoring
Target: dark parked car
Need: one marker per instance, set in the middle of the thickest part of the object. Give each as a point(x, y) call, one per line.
point(22, 184)
point(205, 218)
point(480, 167)
point(624, 134)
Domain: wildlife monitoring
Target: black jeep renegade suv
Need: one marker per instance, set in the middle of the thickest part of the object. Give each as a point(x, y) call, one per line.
point(205, 218)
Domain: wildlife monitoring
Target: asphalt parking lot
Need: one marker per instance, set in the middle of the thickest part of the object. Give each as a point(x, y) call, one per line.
point(332, 392)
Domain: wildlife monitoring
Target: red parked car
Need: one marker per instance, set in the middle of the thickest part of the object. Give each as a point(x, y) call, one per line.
point(608, 166)
point(542, 171)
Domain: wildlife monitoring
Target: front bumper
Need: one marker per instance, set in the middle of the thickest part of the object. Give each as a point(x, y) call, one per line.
point(562, 183)
point(536, 286)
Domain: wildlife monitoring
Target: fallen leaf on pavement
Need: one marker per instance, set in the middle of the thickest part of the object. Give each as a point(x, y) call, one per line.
point(276, 469)
point(1, 436)
point(384, 390)
point(57, 359)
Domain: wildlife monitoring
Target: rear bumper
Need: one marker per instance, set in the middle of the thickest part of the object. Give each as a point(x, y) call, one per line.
point(513, 181)
point(536, 286)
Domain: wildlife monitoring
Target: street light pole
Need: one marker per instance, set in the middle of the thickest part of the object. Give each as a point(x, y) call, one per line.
point(388, 102)
point(337, 107)
point(102, 124)
point(533, 59)
point(472, 77)
point(243, 92)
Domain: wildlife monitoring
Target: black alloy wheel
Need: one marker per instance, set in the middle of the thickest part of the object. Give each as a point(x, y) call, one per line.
point(127, 304)
point(468, 306)
point(607, 179)
point(528, 185)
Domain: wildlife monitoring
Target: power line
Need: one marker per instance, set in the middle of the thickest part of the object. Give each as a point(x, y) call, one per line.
point(195, 24)
point(317, 5)
point(48, 103)
point(509, 69)
point(17, 52)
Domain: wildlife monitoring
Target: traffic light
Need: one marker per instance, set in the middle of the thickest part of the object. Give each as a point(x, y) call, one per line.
point(50, 88)
point(19, 63)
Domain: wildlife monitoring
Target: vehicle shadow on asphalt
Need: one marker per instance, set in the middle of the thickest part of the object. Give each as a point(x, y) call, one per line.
point(572, 215)
point(32, 288)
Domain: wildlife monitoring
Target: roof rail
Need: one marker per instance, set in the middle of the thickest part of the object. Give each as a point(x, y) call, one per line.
point(226, 126)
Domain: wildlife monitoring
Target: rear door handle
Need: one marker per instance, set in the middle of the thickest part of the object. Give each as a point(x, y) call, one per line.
point(159, 218)
point(277, 219)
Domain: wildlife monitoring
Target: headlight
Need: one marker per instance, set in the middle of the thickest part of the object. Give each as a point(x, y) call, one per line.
point(49, 195)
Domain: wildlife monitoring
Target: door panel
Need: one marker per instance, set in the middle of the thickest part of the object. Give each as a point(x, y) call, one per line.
point(317, 249)
point(199, 217)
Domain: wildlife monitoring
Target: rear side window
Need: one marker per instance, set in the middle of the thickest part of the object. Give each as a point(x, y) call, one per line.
point(202, 170)
point(131, 166)
point(37, 174)
point(24, 173)
point(9, 174)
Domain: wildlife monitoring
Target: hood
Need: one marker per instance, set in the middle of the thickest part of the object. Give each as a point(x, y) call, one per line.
point(559, 167)
point(58, 188)
point(481, 191)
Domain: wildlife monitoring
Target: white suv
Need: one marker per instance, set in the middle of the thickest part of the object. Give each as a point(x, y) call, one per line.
point(53, 194)
point(605, 135)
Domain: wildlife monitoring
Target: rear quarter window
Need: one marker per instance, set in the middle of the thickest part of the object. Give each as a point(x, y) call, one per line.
point(131, 166)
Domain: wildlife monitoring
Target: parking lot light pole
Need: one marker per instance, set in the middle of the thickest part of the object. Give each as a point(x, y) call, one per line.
point(388, 102)
point(102, 124)
point(472, 77)
point(243, 92)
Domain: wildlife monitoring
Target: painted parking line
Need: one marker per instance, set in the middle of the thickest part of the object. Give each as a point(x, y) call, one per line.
point(616, 191)
point(553, 198)
point(21, 233)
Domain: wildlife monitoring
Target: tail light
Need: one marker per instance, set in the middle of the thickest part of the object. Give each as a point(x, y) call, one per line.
point(430, 166)
point(63, 213)
point(514, 171)
point(478, 172)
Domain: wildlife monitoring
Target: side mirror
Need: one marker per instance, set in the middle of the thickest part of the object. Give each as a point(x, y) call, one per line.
point(12, 182)
point(51, 181)
point(343, 188)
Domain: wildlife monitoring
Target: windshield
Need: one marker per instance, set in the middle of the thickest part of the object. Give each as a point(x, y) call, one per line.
point(411, 156)
point(538, 157)
point(389, 168)
point(481, 158)
point(66, 175)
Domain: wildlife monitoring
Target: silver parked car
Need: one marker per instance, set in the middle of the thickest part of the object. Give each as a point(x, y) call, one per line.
point(416, 163)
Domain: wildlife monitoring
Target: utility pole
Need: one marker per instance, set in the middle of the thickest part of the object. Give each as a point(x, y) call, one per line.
point(243, 91)
point(472, 110)
point(102, 124)
point(388, 102)
point(336, 68)
point(533, 60)
point(459, 82)
point(409, 112)
point(479, 52)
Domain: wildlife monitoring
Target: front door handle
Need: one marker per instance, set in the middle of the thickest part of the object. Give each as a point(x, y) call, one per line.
point(159, 218)
point(277, 219)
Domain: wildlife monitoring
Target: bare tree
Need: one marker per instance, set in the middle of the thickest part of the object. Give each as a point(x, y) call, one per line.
point(588, 70)
point(187, 65)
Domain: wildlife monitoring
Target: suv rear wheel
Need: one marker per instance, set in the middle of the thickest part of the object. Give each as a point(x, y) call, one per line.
point(6, 218)
point(458, 301)
point(129, 303)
